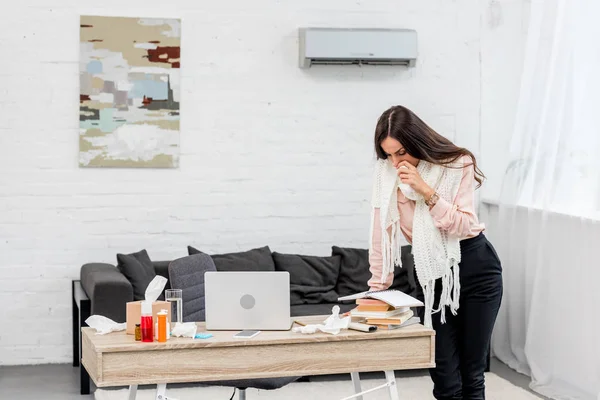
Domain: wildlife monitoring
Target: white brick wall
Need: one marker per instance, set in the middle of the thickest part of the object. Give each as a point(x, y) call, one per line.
point(271, 154)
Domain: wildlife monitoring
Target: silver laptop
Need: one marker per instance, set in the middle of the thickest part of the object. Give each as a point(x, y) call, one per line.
point(238, 300)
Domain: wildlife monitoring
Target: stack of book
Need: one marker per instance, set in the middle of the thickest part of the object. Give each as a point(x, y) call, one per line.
point(382, 315)
point(385, 309)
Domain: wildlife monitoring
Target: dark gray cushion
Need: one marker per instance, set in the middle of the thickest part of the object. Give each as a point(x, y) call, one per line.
point(187, 274)
point(354, 270)
point(258, 259)
point(312, 278)
point(138, 269)
point(319, 309)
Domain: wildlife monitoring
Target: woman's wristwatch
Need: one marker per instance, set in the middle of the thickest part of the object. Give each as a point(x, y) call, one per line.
point(432, 200)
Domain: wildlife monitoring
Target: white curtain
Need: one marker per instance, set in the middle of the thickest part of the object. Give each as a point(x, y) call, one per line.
point(546, 227)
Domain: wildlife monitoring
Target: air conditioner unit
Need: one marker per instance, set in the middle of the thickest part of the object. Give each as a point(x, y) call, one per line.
point(357, 46)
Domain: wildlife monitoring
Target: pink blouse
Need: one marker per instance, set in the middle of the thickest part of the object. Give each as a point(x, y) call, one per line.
point(458, 218)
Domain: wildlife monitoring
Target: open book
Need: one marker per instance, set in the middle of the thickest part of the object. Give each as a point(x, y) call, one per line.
point(394, 298)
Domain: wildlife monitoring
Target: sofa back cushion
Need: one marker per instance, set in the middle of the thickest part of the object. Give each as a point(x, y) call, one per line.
point(258, 259)
point(354, 270)
point(139, 270)
point(312, 278)
point(355, 273)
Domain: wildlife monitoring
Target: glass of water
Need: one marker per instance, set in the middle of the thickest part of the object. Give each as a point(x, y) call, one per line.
point(175, 297)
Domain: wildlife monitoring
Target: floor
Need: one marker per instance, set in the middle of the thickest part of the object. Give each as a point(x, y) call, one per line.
point(60, 382)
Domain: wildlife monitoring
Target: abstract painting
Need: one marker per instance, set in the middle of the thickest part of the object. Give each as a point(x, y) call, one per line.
point(129, 92)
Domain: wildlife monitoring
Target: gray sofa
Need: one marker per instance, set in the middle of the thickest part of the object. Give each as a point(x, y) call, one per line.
point(315, 282)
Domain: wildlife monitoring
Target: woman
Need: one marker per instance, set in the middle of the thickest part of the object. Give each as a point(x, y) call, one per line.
point(424, 188)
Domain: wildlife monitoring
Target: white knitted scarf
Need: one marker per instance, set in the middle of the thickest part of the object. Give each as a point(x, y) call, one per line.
point(436, 253)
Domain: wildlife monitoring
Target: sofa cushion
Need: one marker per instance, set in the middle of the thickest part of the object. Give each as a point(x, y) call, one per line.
point(354, 270)
point(312, 278)
point(138, 269)
point(258, 259)
point(301, 310)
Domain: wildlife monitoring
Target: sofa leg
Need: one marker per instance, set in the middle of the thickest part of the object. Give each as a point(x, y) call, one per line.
point(75, 318)
point(84, 377)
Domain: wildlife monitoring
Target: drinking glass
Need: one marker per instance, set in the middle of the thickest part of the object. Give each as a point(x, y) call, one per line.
point(175, 297)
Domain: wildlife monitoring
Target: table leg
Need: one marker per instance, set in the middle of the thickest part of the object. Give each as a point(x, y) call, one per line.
point(132, 392)
point(356, 382)
point(161, 391)
point(391, 380)
point(389, 383)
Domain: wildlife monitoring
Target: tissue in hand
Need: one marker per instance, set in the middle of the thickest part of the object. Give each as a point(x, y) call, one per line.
point(153, 291)
point(406, 189)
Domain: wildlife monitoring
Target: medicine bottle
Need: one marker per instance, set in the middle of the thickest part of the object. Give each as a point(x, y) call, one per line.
point(146, 322)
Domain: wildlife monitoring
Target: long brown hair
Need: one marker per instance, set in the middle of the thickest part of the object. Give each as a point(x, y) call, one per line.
point(419, 140)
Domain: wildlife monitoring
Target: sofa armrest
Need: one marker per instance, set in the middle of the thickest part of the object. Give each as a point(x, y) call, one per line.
point(107, 289)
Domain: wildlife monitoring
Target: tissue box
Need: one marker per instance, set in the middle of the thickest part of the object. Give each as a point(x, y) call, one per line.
point(134, 313)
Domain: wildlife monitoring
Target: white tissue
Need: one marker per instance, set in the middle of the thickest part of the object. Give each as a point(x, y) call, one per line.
point(406, 189)
point(155, 288)
point(333, 324)
point(104, 325)
point(184, 329)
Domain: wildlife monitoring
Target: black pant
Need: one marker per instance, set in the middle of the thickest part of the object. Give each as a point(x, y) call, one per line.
point(461, 343)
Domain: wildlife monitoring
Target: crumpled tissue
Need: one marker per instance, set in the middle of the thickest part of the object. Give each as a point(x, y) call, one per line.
point(333, 324)
point(184, 329)
point(104, 325)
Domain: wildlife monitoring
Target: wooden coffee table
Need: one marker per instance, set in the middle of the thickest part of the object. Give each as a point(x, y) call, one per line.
point(116, 359)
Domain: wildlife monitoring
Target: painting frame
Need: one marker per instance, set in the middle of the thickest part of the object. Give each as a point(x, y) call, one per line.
point(129, 92)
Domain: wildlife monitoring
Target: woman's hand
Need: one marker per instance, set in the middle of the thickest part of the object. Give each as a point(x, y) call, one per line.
point(411, 177)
